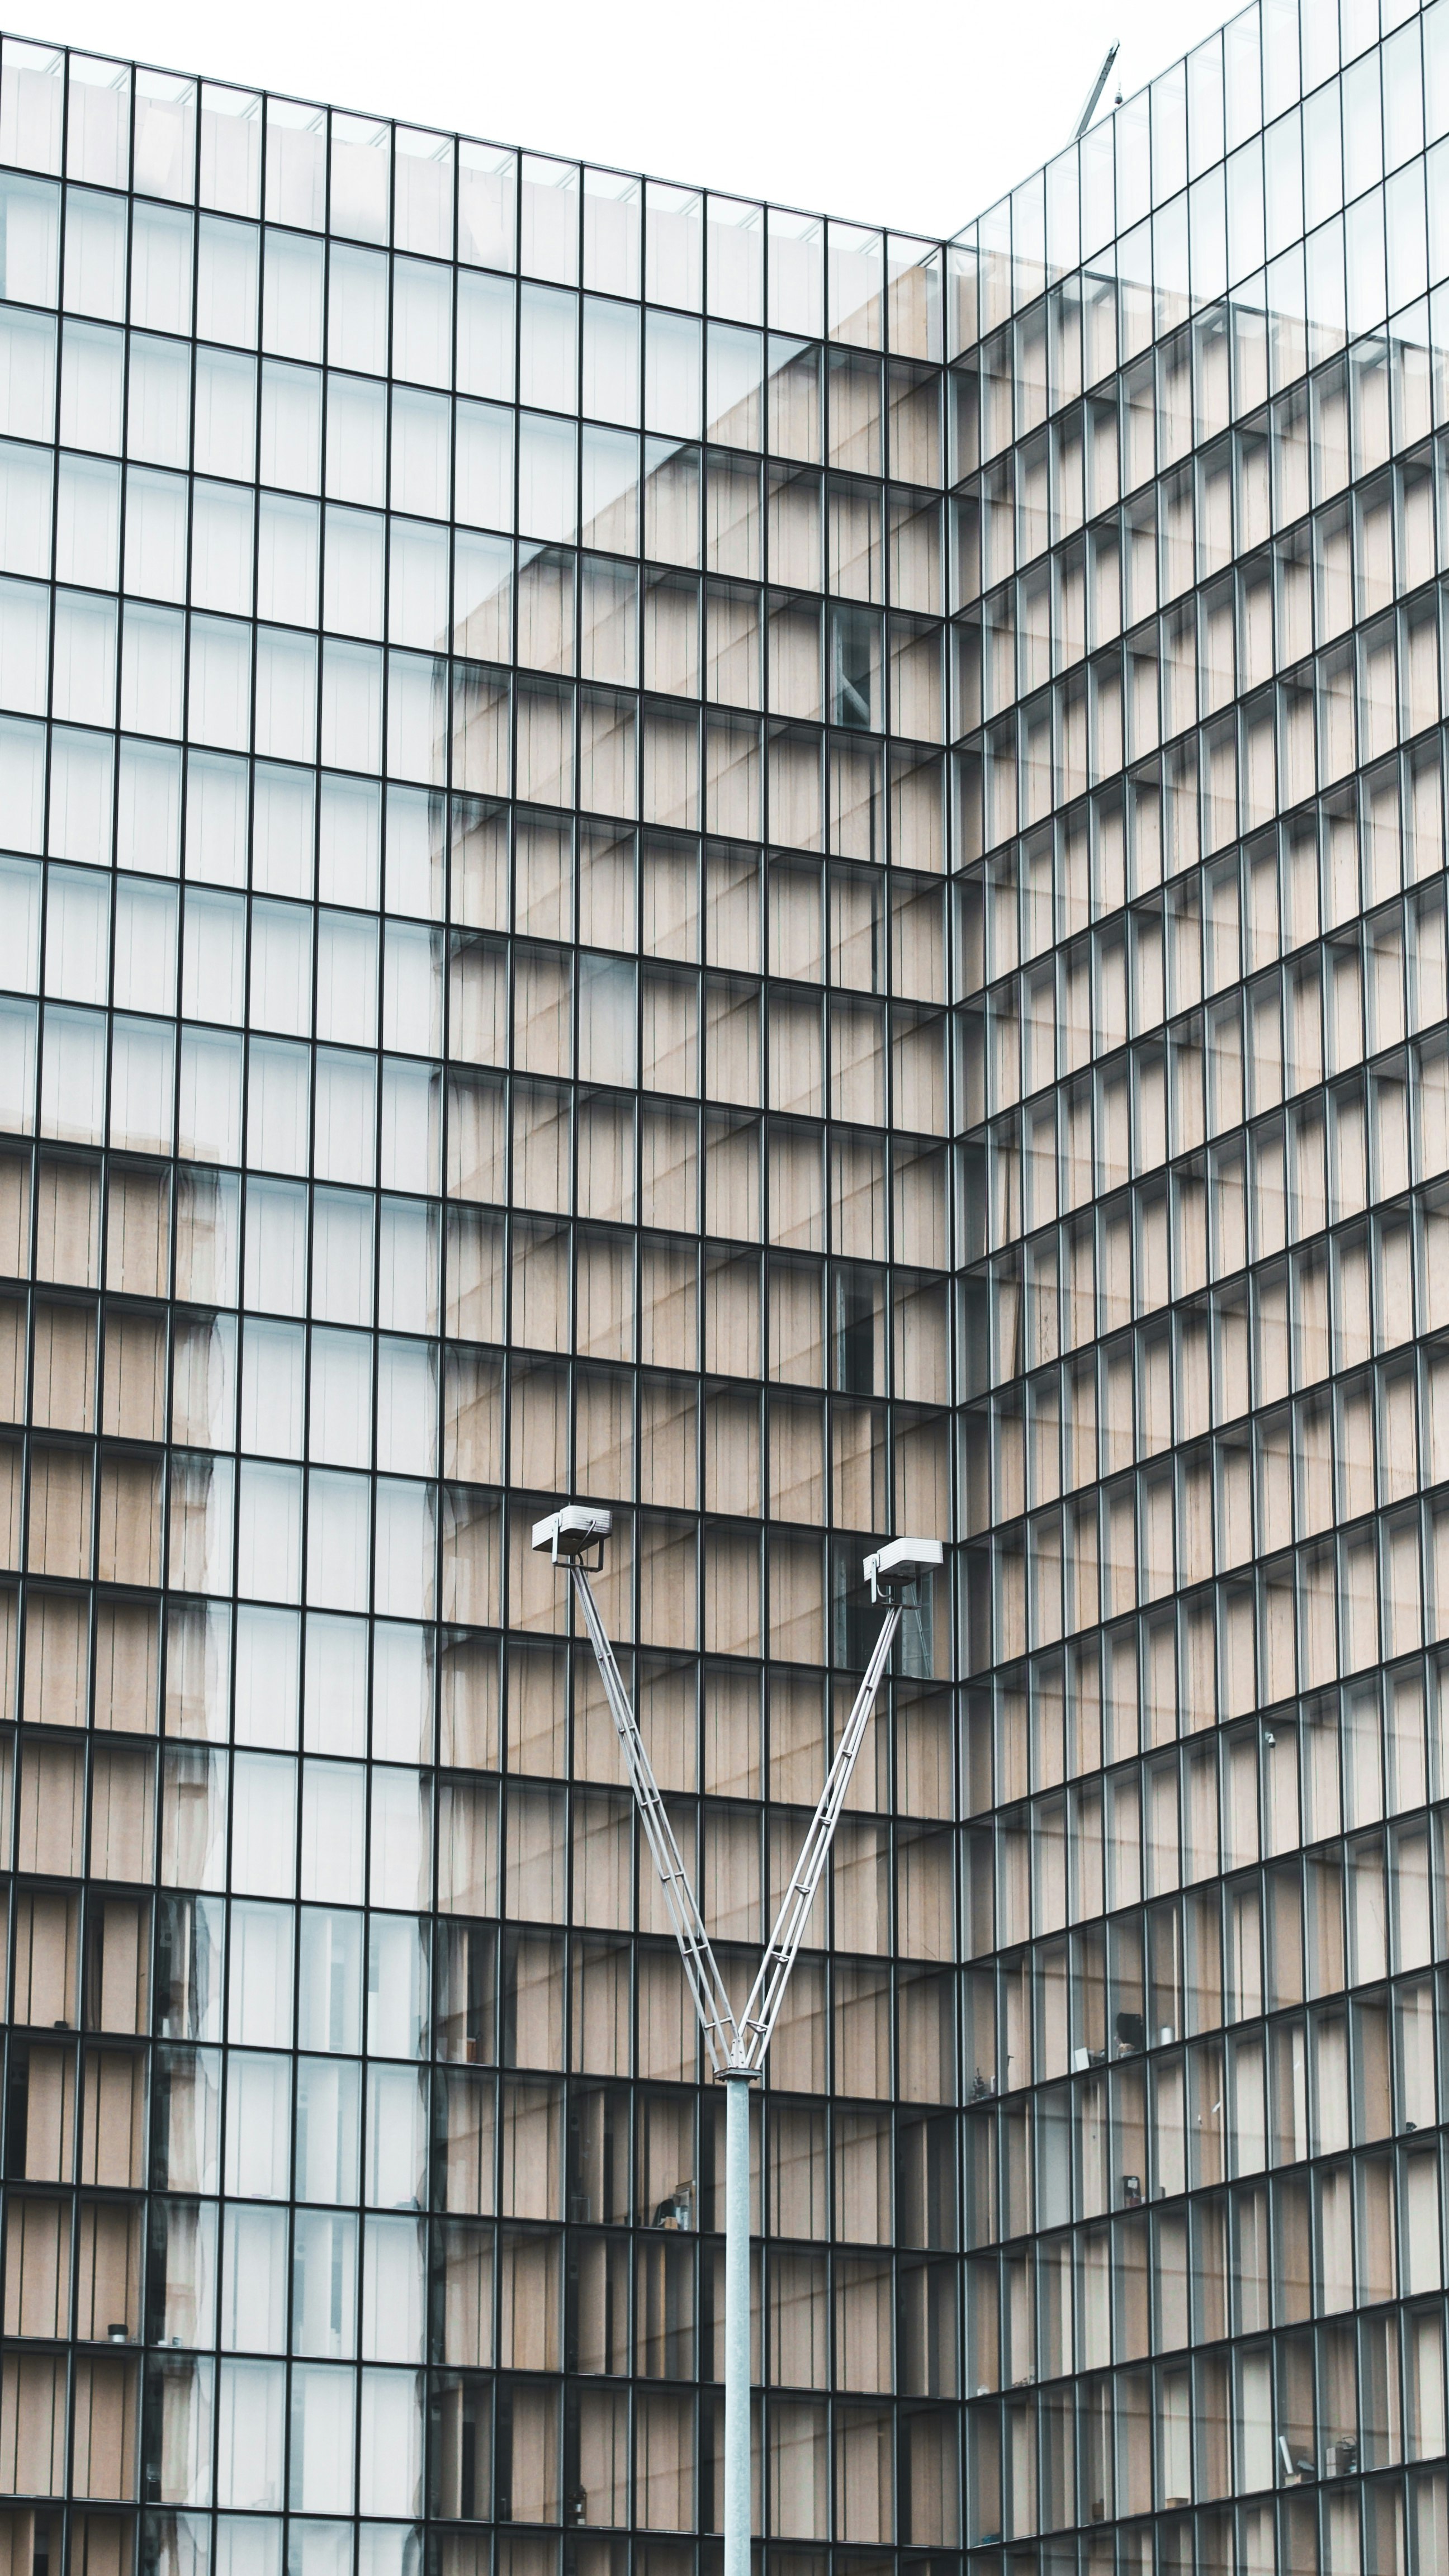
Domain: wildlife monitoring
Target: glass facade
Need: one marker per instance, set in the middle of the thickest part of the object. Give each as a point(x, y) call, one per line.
point(794, 880)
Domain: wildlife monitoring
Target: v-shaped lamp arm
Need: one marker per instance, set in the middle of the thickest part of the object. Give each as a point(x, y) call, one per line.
point(767, 1995)
point(701, 1968)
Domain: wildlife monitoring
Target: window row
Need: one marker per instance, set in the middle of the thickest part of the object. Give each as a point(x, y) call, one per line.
point(1095, 1273)
point(854, 928)
point(1292, 1477)
point(825, 1190)
point(433, 458)
point(1365, 404)
point(1302, 736)
point(245, 547)
point(395, 183)
point(1184, 1815)
point(330, 2287)
point(1314, 870)
point(523, 2148)
point(1205, 375)
point(849, 1328)
point(850, 925)
point(1102, 1417)
point(721, 1450)
point(860, 798)
point(848, 663)
point(540, 345)
point(1256, 1191)
point(1322, 1014)
point(866, 2473)
point(1179, 2433)
point(1201, 514)
point(1297, 2089)
point(347, 1541)
point(1124, 978)
point(1226, 353)
point(270, 1678)
point(538, 1999)
point(371, 1835)
point(1227, 2263)
point(1178, 1820)
point(1248, 767)
point(541, 1011)
point(1257, 618)
point(1069, 1570)
point(540, 1854)
point(1068, 1712)
point(532, 1853)
point(840, 2322)
point(1334, 1610)
point(538, 2453)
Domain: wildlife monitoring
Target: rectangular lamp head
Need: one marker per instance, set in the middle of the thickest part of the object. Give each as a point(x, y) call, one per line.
point(573, 1531)
point(903, 1561)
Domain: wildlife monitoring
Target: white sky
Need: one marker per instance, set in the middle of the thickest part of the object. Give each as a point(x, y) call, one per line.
point(915, 119)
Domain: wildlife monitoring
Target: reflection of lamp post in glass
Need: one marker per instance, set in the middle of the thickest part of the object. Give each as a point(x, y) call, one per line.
point(736, 2049)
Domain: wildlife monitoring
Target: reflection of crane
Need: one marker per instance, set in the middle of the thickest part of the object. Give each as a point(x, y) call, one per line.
point(1095, 92)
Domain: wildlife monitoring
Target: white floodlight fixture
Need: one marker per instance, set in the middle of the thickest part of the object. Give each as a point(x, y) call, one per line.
point(572, 1533)
point(902, 1562)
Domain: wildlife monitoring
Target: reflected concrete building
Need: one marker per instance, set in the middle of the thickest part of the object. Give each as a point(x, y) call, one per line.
point(792, 880)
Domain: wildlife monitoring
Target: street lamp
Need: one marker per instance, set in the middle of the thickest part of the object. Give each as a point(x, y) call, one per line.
point(736, 2049)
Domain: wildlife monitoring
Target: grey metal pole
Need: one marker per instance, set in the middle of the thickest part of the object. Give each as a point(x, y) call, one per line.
point(736, 2050)
point(737, 2328)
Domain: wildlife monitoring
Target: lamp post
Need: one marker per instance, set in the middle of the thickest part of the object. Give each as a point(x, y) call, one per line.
point(736, 2049)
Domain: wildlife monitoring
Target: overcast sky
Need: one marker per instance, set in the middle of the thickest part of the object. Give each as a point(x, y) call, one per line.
point(914, 118)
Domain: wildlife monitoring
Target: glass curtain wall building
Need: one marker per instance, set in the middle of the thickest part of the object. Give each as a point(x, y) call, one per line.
point(794, 880)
